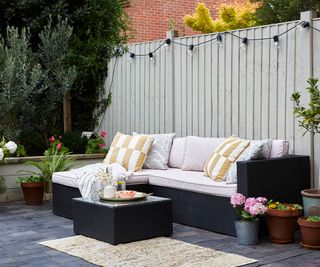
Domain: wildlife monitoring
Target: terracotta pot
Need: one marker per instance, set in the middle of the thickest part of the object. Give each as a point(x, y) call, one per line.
point(310, 232)
point(33, 193)
point(282, 225)
point(311, 202)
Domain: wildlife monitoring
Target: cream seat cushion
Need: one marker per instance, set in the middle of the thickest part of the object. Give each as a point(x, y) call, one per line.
point(187, 180)
point(129, 151)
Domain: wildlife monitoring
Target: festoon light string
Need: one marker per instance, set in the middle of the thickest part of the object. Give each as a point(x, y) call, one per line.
point(244, 41)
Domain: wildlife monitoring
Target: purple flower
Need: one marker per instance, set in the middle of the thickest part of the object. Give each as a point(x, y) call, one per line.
point(237, 199)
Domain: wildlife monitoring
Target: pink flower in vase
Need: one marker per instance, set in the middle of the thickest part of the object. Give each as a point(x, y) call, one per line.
point(52, 139)
point(250, 201)
point(237, 199)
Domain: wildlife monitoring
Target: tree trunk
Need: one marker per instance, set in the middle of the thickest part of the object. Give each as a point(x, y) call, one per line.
point(67, 111)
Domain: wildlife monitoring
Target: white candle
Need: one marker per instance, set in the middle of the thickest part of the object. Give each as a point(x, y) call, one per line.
point(108, 191)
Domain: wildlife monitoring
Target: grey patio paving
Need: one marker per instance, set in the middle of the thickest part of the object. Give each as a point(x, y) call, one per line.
point(22, 227)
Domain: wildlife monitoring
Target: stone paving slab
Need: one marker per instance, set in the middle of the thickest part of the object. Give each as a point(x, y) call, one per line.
point(22, 227)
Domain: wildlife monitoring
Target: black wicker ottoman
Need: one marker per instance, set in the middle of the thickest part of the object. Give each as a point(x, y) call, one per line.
point(123, 222)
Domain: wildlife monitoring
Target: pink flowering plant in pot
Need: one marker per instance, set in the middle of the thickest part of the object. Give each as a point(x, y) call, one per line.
point(249, 210)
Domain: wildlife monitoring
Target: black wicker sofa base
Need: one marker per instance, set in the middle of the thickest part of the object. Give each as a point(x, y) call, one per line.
point(280, 179)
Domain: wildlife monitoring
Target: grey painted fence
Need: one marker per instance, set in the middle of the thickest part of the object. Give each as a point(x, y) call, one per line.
point(220, 90)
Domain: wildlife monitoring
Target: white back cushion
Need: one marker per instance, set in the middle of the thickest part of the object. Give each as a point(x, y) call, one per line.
point(280, 148)
point(177, 152)
point(198, 150)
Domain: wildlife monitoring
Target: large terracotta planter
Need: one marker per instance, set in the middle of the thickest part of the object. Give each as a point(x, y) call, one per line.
point(33, 193)
point(282, 225)
point(310, 232)
point(311, 202)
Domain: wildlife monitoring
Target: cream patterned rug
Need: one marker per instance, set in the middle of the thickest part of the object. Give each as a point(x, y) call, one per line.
point(162, 251)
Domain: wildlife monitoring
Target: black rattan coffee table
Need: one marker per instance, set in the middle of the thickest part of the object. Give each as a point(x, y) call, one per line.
point(123, 222)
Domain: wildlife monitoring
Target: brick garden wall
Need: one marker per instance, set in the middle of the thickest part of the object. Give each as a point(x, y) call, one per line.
point(150, 18)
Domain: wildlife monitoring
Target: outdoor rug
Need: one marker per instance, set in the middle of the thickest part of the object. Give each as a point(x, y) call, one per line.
point(156, 252)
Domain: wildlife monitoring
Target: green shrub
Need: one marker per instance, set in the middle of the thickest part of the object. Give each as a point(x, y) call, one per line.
point(75, 142)
point(30, 179)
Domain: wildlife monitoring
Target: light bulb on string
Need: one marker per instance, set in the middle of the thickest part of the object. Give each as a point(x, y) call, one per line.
point(244, 42)
point(276, 41)
point(151, 56)
point(131, 57)
point(190, 50)
point(303, 25)
point(167, 43)
point(219, 39)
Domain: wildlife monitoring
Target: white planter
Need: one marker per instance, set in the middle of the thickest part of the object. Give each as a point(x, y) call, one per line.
point(9, 171)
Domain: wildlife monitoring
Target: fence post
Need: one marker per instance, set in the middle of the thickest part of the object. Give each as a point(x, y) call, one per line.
point(170, 86)
point(306, 71)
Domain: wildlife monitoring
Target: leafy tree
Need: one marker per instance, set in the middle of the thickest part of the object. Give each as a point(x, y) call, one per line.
point(98, 26)
point(20, 81)
point(32, 84)
point(229, 17)
point(274, 11)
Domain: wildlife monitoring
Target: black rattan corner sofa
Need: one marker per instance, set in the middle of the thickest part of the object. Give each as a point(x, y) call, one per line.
point(280, 179)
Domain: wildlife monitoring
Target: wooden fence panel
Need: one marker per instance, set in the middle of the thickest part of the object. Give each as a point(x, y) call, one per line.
point(220, 90)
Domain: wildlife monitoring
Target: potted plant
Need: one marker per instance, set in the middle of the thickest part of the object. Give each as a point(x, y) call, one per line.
point(309, 119)
point(248, 210)
point(282, 221)
point(53, 161)
point(310, 231)
point(33, 189)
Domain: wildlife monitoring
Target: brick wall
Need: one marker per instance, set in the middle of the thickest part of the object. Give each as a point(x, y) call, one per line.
point(150, 18)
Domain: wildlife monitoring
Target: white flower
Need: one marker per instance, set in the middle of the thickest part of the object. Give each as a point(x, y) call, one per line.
point(1, 154)
point(11, 146)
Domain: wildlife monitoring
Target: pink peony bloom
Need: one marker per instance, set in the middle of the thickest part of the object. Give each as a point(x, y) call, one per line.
point(103, 134)
point(59, 146)
point(257, 209)
point(52, 139)
point(262, 200)
point(237, 199)
point(250, 201)
point(60, 137)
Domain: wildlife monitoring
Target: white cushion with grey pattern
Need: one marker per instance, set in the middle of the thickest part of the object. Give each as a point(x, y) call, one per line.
point(158, 155)
point(258, 149)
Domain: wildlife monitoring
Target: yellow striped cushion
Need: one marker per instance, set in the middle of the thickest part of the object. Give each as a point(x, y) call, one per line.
point(129, 151)
point(219, 163)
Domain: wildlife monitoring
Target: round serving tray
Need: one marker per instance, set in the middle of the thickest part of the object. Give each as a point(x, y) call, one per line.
point(138, 196)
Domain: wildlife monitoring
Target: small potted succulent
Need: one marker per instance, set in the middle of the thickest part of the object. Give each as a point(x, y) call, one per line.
point(282, 221)
point(248, 209)
point(310, 231)
point(33, 189)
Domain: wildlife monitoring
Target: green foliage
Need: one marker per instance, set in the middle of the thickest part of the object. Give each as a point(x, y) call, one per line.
point(30, 179)
point(3, 187)
point(96, 145)
point(51, 163)
point(313, 219)
point(230, 17)
point(21, 151)
point(20, 81)
point(308, 116)
point(98, 27)
point(75, 143)
point(32, 83)
point(274, 11)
